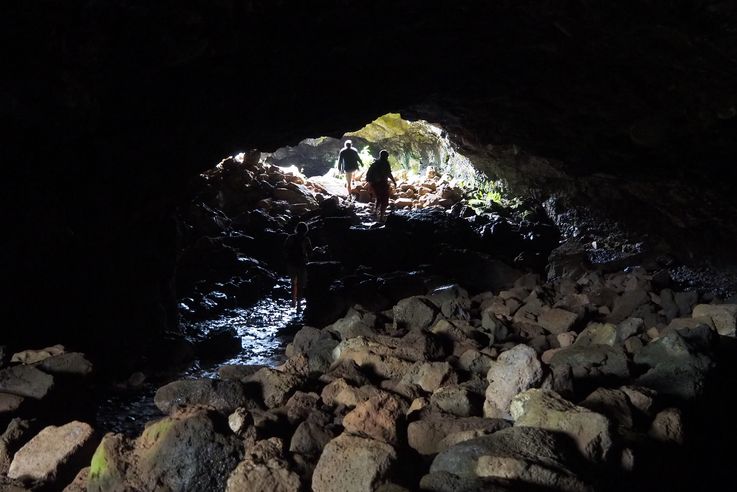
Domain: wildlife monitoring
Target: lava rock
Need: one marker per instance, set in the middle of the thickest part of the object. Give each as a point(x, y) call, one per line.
point(514, 371)
point(25, 381)
point(224, 396)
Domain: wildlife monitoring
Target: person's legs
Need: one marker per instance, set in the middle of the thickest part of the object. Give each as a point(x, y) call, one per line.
point(295, 289)
point(300, 285)
point(349, 181)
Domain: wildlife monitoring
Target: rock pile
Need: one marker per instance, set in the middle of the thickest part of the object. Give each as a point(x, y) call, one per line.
point(565, 385)
point(42, 446)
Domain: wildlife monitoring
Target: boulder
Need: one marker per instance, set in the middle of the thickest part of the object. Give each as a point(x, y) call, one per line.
point(313, 434)
point(68, 363)
point(25, 381)
point(457, 400)
point(414, 312)
point(426, 435)
point(723, 317)
point(355, 323)
point(272, 476)
point(351, 463)
point(55, 453)
point(528, 457)
point(591, 366)
point(15, 435)
point(275, 386)
point(9, 403)
point(300, 405)
point(667, 426)
point(597, 334)
point(557, 320)
point(79, 484)
point(192, 449)
point(514, 371)
point(612, 403)
point(547, 410)
point(627, 303)
point(452, 300)
point(378, 418)
point(374, 356)
point(303, 340)
point(475, 362)
point(223, 396)
point(238, 372)
point(679, 362)
point(34, 356)
point(628, 328)
point(429, 375)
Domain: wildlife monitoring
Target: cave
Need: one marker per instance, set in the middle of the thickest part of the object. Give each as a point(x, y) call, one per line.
point(549, 303)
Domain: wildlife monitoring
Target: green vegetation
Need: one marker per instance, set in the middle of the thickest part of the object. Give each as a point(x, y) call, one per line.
point(99, 464)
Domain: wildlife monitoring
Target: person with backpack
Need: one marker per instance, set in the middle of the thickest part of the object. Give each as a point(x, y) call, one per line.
point(377, 176)
point(348, 162)
point(297, 248)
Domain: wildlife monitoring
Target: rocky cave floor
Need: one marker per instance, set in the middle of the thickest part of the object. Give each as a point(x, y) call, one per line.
point(444, 350)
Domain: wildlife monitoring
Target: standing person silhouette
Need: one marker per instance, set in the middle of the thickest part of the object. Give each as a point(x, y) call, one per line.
point(297, 248)
point(348, 162)
point(378, 174)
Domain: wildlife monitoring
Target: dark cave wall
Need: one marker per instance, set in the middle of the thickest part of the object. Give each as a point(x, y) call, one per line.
point(115, 105)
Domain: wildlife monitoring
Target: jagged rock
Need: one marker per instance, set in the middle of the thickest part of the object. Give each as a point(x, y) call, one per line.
point(34, 356)
point(10, 403)
point(685, 301)
point(313, 434)
point(351, 463)
point(557, 320)
point(300, 405)
point(429, 375)
point(547, 410)
point(377, 418)
point(627, 303)
point(628, 328)
point(668, 426)
point(614, 404)
point(67, 363)
point(303, 340)
point(475, 362)
point(535, 458)
point(339, 392)
point(25, 381)
point(723, 317)
point(224, 396)
point(355, 323)
point(426, 436)
point(643, 399)
point(12, 439)
point(452, 300)
point(679, 362)
point(240, 421)
point(272, 476)
point(597, 334)
point(416, 312)
point(345, 369)
point(374, 356)
point(591, 365)
point(79, 484)
point(514, 371)
point(275, 386)
point(53, 453)
point(457, 400)
point(185, 451)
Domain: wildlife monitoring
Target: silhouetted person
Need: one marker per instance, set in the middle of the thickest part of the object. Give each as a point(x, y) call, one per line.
point(348, 162)
point(297, 248)
point(377, 176)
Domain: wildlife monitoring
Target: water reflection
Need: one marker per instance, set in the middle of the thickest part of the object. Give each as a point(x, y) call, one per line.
point(265, 329)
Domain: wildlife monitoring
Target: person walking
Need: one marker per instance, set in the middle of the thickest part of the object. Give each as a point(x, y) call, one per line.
point(297, 248)
point(348, 162)
point(377, 176)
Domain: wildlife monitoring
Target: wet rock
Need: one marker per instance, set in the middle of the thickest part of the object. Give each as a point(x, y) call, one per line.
point(224, 396)
point(416, 312)
point(597, 334)
point(426, 436)
point(34, 356)
point(557, 320)
point(668, 426)
point(218, 344)
point(723, 317)
point(351, 463)
point(679, 362)
point(613, 404)
point(524, 455)
point(377, 418)
point(67, 363)
point(190, 450)
point(276, 386)
point(547, 410)
point(25, 381)
point(514, 371)
point(55, 453)
point(429, 375)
